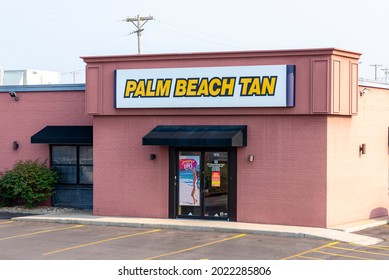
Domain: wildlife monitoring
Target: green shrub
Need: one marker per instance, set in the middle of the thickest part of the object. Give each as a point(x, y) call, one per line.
point(28, 183)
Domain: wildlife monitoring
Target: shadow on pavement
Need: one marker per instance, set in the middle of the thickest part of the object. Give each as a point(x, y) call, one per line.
point(7, 216)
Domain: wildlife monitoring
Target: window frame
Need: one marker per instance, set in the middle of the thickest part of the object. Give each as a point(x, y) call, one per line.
point(77, 165)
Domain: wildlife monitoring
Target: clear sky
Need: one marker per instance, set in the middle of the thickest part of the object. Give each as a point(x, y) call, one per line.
point(53, 34)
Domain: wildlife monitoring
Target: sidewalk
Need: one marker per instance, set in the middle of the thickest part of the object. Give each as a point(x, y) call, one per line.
point(342, 233)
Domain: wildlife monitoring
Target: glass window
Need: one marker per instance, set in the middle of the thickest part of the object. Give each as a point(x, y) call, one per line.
point(73, 164)
point(64, 154)
point(86, 174)
point(66, 174)
point(86, 155)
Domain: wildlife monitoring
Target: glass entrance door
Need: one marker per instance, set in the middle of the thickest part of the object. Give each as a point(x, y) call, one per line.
point(216, 184)
point(202, 181)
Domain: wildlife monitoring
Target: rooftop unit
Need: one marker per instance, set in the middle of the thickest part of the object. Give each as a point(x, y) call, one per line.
point(28, 77)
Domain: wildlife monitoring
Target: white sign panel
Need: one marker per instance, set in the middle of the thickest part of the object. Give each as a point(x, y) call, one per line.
point(206, 87)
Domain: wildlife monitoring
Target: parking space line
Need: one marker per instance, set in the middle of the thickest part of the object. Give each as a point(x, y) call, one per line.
point(386, 248)
point(196, 247)
point(100, 241)
point(311, 250)
point(309, 258)
point(39, 232)
point(358, 251)
point(341, 255)
point(7, 222)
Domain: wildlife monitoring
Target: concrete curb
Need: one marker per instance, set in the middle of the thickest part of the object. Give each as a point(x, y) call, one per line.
point(203, 228)
point(207, 226)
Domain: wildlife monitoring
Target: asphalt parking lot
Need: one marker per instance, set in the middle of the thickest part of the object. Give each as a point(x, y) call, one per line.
point(51, 241)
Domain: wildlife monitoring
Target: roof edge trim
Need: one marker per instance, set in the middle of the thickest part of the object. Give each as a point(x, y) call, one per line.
point(226, 54)
point(40, 88)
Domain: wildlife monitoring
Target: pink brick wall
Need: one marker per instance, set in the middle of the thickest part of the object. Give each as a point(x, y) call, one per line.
point(35, 110)
point(284, 185)
point(358, 184)
point(126, 182)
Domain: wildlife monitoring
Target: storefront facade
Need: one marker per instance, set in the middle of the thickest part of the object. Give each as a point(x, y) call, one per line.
point(278, 137)
point(199, 136)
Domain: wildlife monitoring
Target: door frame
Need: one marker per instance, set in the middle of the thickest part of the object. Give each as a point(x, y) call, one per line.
point(232, 183)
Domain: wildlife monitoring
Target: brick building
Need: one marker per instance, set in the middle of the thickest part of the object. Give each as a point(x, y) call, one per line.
point(281, 137)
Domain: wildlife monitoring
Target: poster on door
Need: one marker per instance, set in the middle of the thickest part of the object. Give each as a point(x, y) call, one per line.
point(189, 181)
point(215, 179)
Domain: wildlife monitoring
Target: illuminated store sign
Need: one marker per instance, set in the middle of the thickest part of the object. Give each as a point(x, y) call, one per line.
point(206, 87)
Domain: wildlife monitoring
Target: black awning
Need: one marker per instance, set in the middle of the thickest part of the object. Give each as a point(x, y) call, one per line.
point(197, 136)
point(64, 135)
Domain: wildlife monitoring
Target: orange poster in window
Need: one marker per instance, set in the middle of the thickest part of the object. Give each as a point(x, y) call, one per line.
point(216, 179)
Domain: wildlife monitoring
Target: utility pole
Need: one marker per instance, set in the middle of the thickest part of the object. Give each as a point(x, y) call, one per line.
point(137, 22)
point(375, 70)
point(74, 75)
point(386, 73)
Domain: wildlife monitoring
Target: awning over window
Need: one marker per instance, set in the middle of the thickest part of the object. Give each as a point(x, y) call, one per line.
point(64, 135)
point(197, 136)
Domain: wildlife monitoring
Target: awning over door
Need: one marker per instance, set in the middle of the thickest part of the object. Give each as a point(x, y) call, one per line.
point(75, 135)
point(197, 136)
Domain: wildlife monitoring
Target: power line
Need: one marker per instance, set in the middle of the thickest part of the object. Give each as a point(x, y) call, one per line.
point(186, 33)
point(137, 22)
point(197, 34)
